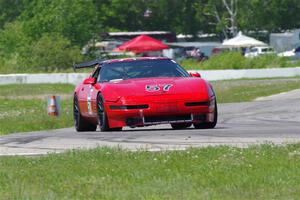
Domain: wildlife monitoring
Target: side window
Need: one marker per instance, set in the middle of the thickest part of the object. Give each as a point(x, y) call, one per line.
point(99, 72)
point(95, 74)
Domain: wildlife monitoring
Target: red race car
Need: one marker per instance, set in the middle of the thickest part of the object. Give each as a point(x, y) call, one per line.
point(143, 91)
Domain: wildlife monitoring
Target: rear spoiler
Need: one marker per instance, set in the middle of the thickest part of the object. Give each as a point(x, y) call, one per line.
point(87, 64)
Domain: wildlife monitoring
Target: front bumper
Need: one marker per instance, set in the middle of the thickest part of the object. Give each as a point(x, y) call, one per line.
point(165, 119)
point(145, 113)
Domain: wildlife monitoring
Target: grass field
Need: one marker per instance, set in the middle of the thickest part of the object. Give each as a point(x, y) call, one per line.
point(24, 107)
point(248, 90)
point(21, 90)
point(258, 172)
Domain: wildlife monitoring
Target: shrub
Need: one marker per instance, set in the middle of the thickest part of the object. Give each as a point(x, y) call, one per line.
point(9, 64)
point(266, 61)
point(234, 60)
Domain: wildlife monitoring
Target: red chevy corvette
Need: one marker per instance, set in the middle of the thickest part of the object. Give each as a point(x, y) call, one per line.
point(145, 91)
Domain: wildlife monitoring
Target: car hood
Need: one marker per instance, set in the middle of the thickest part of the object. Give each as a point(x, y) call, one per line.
point(156, 87)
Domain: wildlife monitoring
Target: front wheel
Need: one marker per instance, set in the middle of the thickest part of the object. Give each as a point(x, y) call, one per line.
point(208, 125)
point(102, 116)
point(79, 122)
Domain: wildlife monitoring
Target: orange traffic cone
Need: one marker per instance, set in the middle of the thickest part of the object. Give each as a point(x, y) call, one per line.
point(52, 109)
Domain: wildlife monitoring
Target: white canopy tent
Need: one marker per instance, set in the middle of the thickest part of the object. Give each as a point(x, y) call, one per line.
point(242, 41)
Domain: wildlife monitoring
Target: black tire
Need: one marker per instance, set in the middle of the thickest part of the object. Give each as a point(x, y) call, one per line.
point(181, 125)
point(79, 122)
point(208, 125)
point(102, 116)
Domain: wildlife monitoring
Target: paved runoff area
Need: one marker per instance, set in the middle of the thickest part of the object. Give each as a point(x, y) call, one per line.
point(274, 119)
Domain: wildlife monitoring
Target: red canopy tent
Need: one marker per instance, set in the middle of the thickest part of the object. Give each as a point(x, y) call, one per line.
point(141, 44)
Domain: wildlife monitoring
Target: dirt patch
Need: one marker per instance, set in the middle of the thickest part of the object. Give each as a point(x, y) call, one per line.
point(40, 96)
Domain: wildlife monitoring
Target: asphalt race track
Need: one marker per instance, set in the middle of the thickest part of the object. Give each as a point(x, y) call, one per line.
point(274, 119)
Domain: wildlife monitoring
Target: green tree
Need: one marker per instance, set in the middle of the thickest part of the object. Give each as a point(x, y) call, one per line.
point(169, 15)
point(270, 15)
point(174, 15)
point(73, 19)
point(9, 11)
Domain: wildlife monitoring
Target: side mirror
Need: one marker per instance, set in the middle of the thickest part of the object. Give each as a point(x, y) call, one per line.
point(89, 81)
point(195, 74)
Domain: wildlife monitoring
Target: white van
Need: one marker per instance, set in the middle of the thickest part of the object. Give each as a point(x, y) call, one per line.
point(256, 51)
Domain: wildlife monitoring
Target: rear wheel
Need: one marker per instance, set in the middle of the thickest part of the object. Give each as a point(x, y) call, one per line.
point(208, 125)
point(181, 125)
point(79, 122)
point(102, 116)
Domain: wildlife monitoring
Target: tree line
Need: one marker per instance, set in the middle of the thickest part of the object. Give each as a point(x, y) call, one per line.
point(51, 32)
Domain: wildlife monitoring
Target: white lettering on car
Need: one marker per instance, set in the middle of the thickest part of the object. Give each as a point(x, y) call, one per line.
point(89, 101)
point(157, 87)
point(167, 87)
point(152, 88)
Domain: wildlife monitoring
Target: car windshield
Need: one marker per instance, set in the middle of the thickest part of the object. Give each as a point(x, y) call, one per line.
point(141, 69)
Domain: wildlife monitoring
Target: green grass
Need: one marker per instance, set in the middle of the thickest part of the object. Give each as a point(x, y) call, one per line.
point(258, 172)
point(23, 108)
point(234, 60)
point(31, 115)
point(247, 90)
point(35, 89)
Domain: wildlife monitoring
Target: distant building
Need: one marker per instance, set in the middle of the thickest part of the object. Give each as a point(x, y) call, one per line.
point(165, 36)
point(285, 41)
point(201, 37)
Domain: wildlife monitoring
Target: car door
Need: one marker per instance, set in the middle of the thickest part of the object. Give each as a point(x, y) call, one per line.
point(85, 97)
point(92, 94)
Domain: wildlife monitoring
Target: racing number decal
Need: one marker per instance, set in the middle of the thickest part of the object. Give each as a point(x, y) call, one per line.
point(89, 100)
point(154, 88)
point(167, 87)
